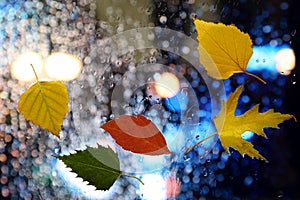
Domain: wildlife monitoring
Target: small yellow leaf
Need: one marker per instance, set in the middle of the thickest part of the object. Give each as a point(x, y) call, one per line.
point(224, 50)
point(45, 104)
point(231, 127)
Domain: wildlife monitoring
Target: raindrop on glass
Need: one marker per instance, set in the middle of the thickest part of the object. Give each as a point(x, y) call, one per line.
point(293, 79)
point(163, 19)
point(293, 32)
point(186, 158)
point(57, 150)
point(280, 194)
point(118, 63)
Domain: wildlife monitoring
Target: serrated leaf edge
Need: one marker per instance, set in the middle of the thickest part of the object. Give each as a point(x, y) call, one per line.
point(119, 173)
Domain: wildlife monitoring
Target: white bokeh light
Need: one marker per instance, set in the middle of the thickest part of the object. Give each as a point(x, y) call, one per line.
point(21, 68)
point(154, 187)
point(63, 66)
point(285, 61)
point(167, 85)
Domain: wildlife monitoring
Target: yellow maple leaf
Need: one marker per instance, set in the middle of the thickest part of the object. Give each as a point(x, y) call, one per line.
point(45, 104)
point(223, 49)
point(231, 127)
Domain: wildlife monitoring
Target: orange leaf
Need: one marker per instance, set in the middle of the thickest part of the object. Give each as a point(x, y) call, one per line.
point(137, 134)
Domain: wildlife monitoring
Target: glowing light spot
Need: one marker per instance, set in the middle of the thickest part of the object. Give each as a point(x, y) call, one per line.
point(245, 99)
point(285, 61)
point(247, 135)
point(262, 58)
point(63, 66)
point(154, 187)
point(248, 180)
point(21, 68)
point(173, 186)
point(167, 85)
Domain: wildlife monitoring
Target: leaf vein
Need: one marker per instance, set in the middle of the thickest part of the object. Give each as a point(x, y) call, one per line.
point(101, 168)
point(224, 50)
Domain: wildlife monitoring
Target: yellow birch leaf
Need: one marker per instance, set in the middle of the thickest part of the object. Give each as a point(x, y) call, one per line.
point(45, 104)
point(231, 127)
point(223, 49)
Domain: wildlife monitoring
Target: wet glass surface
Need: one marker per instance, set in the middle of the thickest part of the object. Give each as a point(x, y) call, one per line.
point(124, 47)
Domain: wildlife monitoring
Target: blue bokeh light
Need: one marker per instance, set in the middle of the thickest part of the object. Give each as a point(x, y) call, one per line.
point(263, 58)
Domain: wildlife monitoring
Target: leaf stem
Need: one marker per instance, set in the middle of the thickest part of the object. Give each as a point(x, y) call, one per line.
point(127, 175)
point(257, 77)
point(37, 79)
point(192, 147)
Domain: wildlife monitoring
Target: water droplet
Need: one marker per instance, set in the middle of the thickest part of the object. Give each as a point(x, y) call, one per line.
point(197, 137)
point(163, 19)
point(293, 32)
point(57, 150)
point(205, 172)
point(280, 194)
point(293, 79)
point(118, 63)
point(152, 59)
point(186, 158)
point(112, 116)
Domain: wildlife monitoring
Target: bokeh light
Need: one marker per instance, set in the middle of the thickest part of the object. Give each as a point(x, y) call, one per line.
point(154, 187)
point(285, 61)
point(247, 135)
point(63, 66)
point(82, 28)
point(22, 70)
point(167, 85)
point(173, 186)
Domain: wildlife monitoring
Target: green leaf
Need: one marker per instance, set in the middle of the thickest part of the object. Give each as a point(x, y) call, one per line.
point(99, 166)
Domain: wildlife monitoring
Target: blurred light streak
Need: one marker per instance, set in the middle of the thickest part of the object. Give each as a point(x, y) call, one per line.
point(279, 59)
